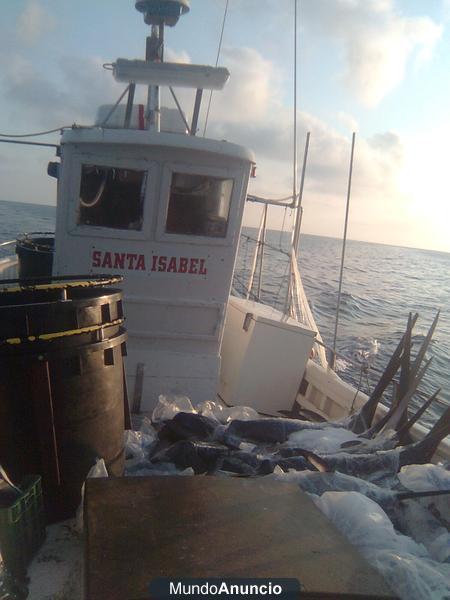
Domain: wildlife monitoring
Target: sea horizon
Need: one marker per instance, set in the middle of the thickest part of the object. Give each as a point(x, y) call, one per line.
point(330, 237)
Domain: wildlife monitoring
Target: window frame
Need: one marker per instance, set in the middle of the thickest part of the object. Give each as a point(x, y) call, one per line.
point(151, 167)
point(192, 169)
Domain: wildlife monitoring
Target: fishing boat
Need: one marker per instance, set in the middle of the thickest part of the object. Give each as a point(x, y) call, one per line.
point(142, 196)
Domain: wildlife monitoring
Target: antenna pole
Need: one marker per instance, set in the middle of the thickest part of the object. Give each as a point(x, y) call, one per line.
point(344, 242)
point(294, 174)
point(154, 52)
point(287, 305)
point(217, 62)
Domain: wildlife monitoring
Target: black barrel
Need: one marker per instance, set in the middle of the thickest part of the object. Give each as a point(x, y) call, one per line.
point(62, 390)
point(35, 253)
point(82, 314)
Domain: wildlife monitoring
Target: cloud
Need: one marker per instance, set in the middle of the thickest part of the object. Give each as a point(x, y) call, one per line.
point(252, 114)
point(377, 42)
point(251, 91)
point(82, 87)
point(349, 122)
point(249, 95)
point(171, 55)
point(34, 22)
point(250, 111)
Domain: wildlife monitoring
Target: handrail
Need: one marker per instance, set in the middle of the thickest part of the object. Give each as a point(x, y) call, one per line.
point(271, 246)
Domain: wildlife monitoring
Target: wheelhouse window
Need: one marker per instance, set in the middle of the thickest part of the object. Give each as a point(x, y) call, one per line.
point(199, 205)
point(112, 197)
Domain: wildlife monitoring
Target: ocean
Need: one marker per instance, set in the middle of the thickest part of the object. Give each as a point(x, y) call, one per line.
point(381, 285)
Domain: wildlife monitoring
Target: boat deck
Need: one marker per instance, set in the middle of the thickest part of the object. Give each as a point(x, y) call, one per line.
point(139, 529)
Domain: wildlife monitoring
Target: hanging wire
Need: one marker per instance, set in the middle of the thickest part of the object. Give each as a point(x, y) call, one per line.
point(23, 135)
point(219, 49)
point(358, 389)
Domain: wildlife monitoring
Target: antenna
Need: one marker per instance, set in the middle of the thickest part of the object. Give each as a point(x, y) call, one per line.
point(157, 14)
point(162, 12)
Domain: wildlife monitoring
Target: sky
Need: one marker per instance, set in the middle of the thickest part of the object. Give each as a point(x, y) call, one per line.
point(380, 68)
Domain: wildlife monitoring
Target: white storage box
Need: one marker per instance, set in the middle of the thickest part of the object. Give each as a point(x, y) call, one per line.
point(264, 355)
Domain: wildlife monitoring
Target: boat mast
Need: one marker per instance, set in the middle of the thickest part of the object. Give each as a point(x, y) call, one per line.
point(158, 14)
point(295, 204)
point(344, 243)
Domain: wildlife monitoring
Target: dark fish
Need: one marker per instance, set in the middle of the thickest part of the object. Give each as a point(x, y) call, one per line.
point(246, 463)
point(390, 462)
point(268, 431)
point(231, 464)
point(187, 426)
point(364, 465)
point(202, 457)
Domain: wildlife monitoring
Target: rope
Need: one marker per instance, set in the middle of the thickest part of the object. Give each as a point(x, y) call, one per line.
point(350, 412)
point(272, 247)
point(217, 62)
point(62, 282)
point(23, 135)
point(244, 290)
point(47, 337)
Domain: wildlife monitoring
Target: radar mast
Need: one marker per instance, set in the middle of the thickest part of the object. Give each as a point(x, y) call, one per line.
point(157, 14)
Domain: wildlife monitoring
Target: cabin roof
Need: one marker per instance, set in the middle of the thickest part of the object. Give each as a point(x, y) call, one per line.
point(98, 135)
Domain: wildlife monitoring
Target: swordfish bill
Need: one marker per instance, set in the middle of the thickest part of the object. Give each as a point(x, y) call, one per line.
point(363, 419)
point(422, 452)
point(403, 432)
point(424, 347)
point(372, 432)
point(405, 372)
point(409, 372)
point(403, 404)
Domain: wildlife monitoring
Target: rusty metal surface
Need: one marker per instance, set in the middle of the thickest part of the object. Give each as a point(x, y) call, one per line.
point(139, 528)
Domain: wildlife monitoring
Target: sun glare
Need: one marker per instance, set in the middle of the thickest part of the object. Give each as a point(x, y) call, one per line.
point(424, 181)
